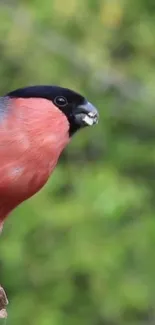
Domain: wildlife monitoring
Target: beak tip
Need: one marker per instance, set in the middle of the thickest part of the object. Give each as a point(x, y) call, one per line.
point(93, 114)
point(87, 115)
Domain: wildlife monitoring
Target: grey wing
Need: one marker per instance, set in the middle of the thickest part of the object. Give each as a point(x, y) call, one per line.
point(4, 107)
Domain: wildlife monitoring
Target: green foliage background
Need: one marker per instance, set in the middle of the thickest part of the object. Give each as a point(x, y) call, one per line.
point(81, 252)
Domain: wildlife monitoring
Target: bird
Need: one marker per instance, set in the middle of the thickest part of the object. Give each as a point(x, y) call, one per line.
point(36, 124)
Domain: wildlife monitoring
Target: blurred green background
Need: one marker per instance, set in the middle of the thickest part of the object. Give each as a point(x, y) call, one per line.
point(81, 252)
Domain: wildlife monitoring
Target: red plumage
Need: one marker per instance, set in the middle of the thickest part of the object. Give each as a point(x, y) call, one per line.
point(32, 136)
point(36, 123)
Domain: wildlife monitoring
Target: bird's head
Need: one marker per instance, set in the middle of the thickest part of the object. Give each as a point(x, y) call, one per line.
point(79, 112)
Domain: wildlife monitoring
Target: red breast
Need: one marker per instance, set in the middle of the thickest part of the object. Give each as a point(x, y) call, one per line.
point(33, 135)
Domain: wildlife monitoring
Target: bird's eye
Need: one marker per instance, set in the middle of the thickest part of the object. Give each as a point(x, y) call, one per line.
point(60, 101)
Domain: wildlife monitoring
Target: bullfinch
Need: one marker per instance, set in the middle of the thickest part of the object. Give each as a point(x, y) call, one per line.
point(36, 124)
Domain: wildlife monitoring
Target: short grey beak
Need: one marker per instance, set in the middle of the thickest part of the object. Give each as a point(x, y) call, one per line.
point(86, 114)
